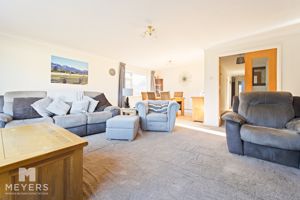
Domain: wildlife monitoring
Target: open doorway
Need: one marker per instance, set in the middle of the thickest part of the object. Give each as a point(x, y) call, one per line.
point(232, 80)
point(251, 71)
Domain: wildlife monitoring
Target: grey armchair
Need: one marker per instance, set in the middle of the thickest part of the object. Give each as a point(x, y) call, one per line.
point(265, 125)
point(151, 121)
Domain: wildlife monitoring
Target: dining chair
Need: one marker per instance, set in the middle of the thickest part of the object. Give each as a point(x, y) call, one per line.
point(178, 94)
point(165, 96)
point(144, 96)
point(151, 96)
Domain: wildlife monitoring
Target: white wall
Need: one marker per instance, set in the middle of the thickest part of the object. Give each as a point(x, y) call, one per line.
point(287, 40)
point(25, 65)
point(193, 87)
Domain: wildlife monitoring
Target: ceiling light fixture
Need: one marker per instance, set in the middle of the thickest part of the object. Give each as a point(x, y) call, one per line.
point(150, 30)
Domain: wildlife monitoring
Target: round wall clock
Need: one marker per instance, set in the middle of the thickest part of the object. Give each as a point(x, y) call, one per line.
point(112, 71)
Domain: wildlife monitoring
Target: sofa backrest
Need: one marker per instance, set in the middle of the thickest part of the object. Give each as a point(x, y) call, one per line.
point(1, 103)
point(269, 109)
point(9, 98)
point(296, 104)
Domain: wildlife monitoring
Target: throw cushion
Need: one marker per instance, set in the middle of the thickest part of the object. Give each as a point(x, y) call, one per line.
point(40, 107)
point(58, 107)
point(103, 102)
point(294, 125)
point(5, 118)
point(22, 108)
point(158, 108)
point(92, 103)
point(79, 107)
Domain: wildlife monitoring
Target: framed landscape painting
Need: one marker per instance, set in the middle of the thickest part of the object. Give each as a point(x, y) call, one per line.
point(68, 71)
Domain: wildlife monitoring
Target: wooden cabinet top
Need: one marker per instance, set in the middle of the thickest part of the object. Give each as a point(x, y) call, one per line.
point(197, 97)
point(38, 141)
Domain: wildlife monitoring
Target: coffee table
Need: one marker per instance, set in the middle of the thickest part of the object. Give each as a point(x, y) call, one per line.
point(45, 156)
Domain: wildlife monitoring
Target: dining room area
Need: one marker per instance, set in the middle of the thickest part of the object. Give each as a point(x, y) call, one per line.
point(196, 114)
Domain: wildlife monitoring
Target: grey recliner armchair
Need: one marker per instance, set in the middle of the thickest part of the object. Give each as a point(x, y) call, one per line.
point(265, 125)
point(152, 121)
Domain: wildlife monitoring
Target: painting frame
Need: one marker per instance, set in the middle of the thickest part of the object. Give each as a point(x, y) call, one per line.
point(68, 71)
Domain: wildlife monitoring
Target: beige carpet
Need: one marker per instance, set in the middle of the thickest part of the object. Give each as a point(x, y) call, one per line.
point(184, 165)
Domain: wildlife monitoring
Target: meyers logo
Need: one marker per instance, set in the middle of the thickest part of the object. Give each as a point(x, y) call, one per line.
point(23, 172)
point(31, 187)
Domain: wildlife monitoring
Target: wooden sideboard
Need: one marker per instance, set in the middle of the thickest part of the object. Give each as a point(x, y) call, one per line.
point(51, 157)
point(198, 109)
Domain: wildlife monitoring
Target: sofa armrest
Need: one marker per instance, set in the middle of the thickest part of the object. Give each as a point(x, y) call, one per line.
point(233, 137)
point(173, 108)
point(115, 110)
point(4, 119)
point(294, 125)
point(234, 117)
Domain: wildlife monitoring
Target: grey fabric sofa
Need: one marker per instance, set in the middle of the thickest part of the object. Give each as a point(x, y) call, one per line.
point(151, 121)
point(81, 124)
point(265, 125)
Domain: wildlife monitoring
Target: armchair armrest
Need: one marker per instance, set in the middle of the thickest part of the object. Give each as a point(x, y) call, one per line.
point(115, 110)
point(142, 108)
point(234, 117)
point(4, 118)
point(173, 108)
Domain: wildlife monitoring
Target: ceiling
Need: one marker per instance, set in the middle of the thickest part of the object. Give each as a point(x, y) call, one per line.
point(113, 28)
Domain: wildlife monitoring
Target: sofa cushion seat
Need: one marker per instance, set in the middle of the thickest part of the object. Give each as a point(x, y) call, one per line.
point(157, 117)
point(69, 121)
point(277, 138)
point(15, 123)
point(98, 117)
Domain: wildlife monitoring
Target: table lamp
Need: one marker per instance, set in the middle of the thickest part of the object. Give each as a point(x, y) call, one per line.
point(127, 92)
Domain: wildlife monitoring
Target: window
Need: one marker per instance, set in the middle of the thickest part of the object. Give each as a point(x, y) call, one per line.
point(136, 81)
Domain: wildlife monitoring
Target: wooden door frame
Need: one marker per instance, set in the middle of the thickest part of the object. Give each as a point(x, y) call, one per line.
point(232, 53)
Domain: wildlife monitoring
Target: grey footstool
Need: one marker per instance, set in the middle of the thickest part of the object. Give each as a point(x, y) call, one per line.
point(122, 127)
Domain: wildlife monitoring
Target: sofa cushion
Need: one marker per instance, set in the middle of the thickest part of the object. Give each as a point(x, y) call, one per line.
point(158, 106)
point(22, 108)
point(15, 123)
point(157, 117)
point(40, 107)
point(5, 117)
point(123, 122)
point(103, 102)
point(1, 103)
point(98, 117)
point(9, 98)
point(296, 104)
point(58, 107)
point(92, 103)
point(69, 121)
point(270, 109)
point(79, 107)
point(294, 125)
point(277, 138)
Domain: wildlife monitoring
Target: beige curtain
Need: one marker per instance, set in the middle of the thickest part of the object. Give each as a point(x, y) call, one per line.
point(121, 84)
